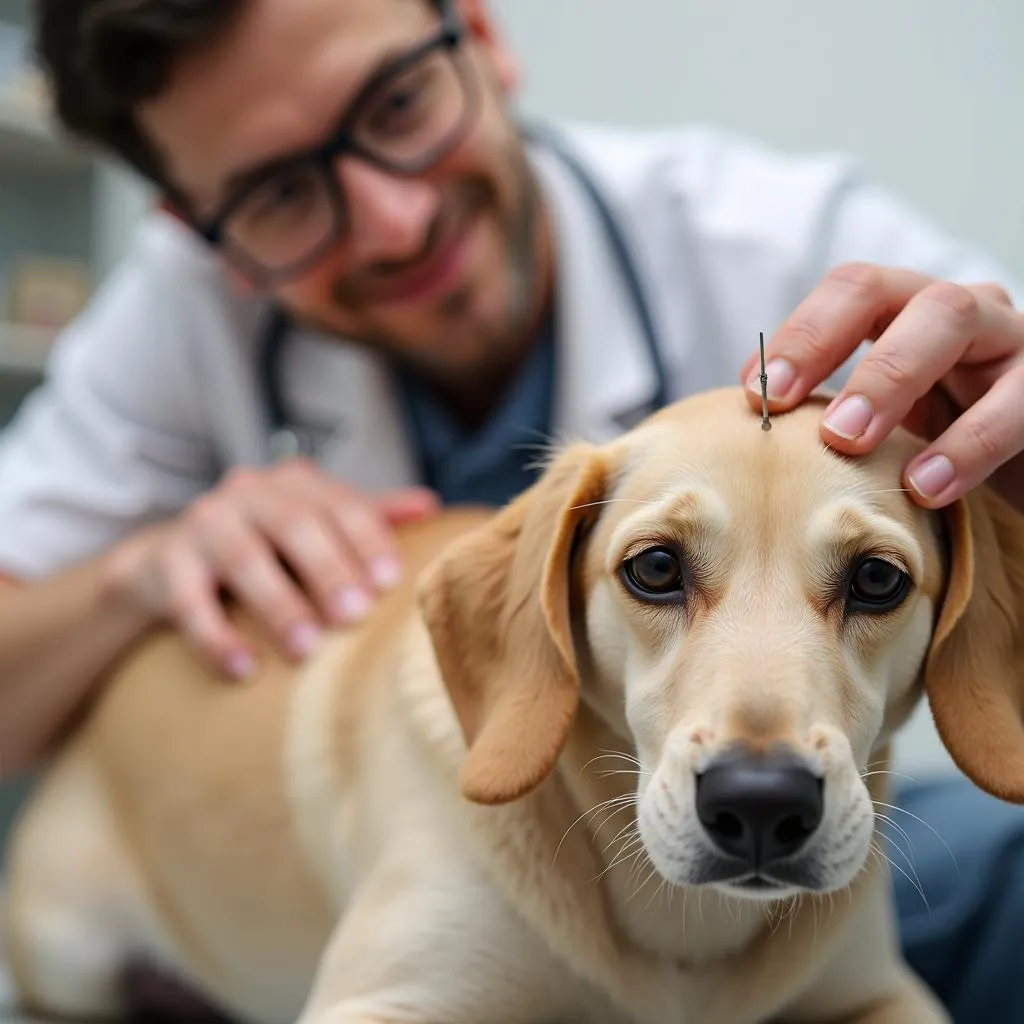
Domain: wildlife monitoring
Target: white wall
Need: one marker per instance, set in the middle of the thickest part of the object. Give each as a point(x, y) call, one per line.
point(929, 94)
point(120, 198)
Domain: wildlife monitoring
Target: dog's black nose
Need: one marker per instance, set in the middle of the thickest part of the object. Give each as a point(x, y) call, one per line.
point(759, 808)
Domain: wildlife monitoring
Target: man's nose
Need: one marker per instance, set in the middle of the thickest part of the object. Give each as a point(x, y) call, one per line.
point(759, 808)
point(389, 216)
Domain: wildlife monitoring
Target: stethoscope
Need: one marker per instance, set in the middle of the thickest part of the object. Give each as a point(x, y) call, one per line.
point(287, 438)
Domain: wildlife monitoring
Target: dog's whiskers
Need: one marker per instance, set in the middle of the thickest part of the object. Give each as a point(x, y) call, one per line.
point(887, 860)
point(624, 771)
point(906, 856)
point(626, 843)
point(633, 849)
point(615, 804)
point(790, 910)
point(659, 892)
point(624, 804)
point(548, 447)
point(639, 768)
point(643, 885)
point(629, 826)
point(909, 814)
point(886, 771)
point(606, 754)
point(899, 828)
point(639, 859)
point(886, 490)
point(612, 501)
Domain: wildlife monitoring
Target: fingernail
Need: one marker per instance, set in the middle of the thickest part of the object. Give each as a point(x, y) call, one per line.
point(303, 638)
point(780, 373)
point(240, 664)
point(386, 572)
point(850, 418)
point(351, 604)
point(933, 476)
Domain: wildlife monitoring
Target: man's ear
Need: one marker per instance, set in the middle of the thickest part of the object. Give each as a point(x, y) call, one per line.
point(974, 674)
point(497, 606)
point(483, 30)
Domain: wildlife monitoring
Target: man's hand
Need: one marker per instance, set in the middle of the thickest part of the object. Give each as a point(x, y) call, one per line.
point(947, 361)
point(294, 547)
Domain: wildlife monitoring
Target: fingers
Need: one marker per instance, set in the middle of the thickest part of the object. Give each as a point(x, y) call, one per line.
point(193, 606)
point(298, 549)
point(925, 332)
point(932, 334)
point(363, 560)
point(339, 550)
point(407, 505)
point(975, 445)
point(375, 554)
point(854, 303)
point(242, 558)
point(292, 546)
point(368, 524)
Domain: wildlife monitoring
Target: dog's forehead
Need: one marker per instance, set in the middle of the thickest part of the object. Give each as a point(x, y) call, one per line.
point(715, 442)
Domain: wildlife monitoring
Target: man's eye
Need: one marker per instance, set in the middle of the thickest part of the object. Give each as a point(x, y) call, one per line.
point(403, 104)
point(399, 102)
point(287, 190)
point(285, 195)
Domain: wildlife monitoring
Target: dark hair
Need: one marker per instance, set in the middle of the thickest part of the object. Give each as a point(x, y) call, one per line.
point(104, 57)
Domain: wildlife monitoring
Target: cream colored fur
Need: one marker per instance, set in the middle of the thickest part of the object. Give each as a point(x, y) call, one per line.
point(477, 808)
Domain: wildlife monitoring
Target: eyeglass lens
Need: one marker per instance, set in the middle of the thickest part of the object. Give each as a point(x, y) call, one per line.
point(404, 126)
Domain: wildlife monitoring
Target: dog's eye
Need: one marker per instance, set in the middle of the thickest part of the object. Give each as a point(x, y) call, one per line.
point(877, 585)
point(656, 572)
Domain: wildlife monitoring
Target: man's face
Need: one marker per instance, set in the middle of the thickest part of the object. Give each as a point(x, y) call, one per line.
point(447, 268)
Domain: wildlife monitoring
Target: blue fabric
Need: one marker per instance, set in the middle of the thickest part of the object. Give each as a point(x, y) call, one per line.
point(965, 849)
point(492, 464)
point(967, 854)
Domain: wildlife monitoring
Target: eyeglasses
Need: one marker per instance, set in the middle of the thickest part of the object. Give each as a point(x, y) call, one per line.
point(404, 120)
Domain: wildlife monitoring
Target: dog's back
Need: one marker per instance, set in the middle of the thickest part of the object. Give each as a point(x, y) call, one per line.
point(171, 803)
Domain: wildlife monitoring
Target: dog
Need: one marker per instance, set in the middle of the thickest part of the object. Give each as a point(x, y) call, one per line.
point(611, 756)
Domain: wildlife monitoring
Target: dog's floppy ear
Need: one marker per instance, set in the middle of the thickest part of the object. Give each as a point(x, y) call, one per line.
point(497, 606)
point(974, 674)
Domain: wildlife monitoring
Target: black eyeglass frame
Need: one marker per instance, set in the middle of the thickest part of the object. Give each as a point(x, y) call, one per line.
point(344, 141)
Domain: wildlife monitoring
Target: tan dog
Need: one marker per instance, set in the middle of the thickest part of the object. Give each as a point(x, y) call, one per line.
point(703, 630)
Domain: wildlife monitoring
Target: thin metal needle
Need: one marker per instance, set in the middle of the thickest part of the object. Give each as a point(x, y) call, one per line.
point(765, 422)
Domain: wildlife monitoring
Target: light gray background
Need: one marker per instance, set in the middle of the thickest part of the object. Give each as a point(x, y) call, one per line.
point(928, 93)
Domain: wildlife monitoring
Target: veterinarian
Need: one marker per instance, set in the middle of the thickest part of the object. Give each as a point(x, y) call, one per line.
point(370, 290)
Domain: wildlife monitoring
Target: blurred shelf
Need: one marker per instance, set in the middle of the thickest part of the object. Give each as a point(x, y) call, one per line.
point(30, 141)
point(24, 350)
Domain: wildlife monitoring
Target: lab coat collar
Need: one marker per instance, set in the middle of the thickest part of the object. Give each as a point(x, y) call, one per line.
point(606, 380)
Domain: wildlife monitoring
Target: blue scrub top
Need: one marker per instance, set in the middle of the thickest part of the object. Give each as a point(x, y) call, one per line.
point(492, 464)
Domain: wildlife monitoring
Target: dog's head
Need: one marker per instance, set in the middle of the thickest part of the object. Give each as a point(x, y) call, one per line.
point(753, 614)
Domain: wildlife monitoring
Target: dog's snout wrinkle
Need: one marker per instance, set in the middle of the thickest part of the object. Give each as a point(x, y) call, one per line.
point(759, 808)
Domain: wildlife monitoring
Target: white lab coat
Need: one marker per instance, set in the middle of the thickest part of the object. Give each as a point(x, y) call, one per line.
point(152, 393)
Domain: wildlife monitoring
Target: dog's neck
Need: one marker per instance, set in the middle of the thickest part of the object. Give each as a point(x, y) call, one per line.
point(600, 769)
